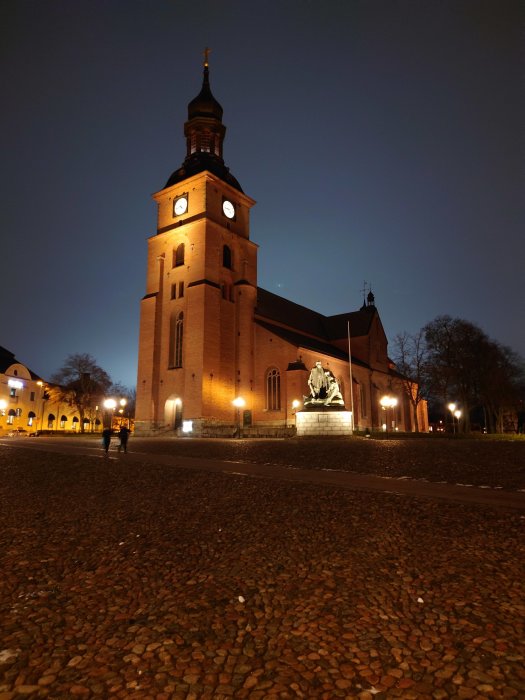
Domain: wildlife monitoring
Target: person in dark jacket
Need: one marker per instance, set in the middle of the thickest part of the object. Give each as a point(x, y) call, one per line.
point(123, 435)
point(106, 438)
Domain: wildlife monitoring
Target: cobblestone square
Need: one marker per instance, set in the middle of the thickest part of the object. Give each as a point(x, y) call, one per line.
point(125, 577)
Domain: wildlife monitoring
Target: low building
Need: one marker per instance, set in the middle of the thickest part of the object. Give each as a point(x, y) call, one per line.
point(29, 404)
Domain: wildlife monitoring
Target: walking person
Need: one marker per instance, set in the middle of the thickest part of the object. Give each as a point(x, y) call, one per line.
point(106, 439)
point(123, 435)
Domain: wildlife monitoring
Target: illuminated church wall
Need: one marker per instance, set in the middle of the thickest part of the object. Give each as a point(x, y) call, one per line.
point(209, 335)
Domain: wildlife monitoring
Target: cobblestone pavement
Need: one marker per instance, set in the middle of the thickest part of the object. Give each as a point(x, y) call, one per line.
point(130, 579)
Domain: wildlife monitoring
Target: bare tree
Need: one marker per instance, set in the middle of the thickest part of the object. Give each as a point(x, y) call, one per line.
point(502, 387)
point(411, 361)
point(82, 382)
point(465, 365)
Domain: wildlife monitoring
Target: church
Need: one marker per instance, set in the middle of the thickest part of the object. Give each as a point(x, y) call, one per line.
point(218, 355)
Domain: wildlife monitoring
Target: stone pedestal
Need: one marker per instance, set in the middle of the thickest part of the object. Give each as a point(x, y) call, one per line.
point(327, 423)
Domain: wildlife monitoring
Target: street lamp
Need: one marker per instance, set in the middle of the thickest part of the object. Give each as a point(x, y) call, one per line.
point(458, 416)
point(122, 403)
point(295, 405)
point(452, 408)
point(386, 403)
point(45, 396)
point(238, 402)
point(110, 405)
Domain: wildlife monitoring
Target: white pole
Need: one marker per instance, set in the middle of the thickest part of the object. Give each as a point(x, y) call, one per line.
point(351, 381)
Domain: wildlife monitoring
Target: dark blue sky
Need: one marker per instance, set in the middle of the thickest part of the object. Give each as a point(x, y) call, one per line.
point(382, 140)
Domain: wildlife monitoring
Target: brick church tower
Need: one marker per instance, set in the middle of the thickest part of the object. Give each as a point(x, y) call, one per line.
point(196, 345)
point(210, 335)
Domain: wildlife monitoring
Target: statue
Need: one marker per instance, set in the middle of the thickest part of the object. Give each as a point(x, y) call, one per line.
point(324, 388)
point(317, 381)
point(333, 394)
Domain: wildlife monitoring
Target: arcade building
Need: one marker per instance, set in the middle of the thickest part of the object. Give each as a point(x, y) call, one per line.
point(218, 354)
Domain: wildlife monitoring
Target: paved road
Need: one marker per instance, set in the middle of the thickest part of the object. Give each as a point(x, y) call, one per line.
point(148, 575)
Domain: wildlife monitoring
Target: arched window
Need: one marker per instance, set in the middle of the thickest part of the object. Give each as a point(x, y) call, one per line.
point(178, 256)
point(273, 390)
point(50, 421)
point(179, 330)
point(31, 417)
point(226, 257)
point(205, 141)
point(176, 337)
point(63, 421)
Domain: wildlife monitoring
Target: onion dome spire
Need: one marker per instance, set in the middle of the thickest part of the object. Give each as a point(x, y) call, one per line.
point(205, 104)
point(204, 132)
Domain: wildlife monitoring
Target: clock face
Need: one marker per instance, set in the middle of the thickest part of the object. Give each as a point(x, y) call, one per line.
point(228, 209)
point(180, 206)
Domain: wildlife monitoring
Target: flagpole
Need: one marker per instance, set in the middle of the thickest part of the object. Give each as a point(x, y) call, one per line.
point(351, 381)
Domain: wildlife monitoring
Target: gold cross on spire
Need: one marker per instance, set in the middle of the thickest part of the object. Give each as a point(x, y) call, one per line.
point(206, 54)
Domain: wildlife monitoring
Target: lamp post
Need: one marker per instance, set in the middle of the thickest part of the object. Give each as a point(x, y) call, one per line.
point(45, 396)
point(238, 402)
point(393, 406)
point(110, 405)
point(386, 403)
point(121, 410)
point(295, 405)
point(458, 416)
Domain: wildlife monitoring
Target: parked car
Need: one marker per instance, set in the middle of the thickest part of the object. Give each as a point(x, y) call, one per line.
point(18, 432)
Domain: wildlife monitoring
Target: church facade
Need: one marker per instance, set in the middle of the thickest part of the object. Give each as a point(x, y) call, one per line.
point(216, 352)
